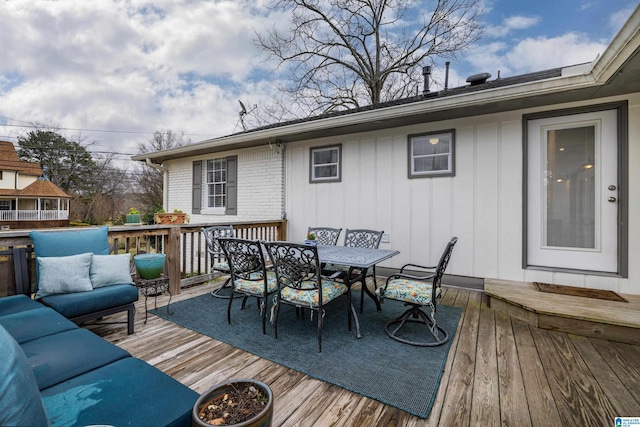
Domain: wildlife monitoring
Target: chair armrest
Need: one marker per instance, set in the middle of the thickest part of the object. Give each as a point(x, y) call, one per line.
point(409, 276)
point(418, 266)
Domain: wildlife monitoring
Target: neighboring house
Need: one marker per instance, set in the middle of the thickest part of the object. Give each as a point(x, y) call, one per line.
point(26, 199)
point(533, 173)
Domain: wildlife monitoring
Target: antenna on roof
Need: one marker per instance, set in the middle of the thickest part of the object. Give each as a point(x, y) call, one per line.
point(243, 112)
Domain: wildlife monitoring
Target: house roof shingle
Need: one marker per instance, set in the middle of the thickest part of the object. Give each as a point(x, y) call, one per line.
point(9, 161)
point(43, 188)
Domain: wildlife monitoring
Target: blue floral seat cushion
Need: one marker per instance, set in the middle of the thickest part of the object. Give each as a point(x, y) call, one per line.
point(407, 290)
point(255, 286)
point(221, 266)
point(330, 291)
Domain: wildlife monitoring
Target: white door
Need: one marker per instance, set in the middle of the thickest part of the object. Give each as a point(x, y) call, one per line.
point(572, 208)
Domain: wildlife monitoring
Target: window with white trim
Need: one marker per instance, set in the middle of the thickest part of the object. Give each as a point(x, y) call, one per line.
point(325, 164)
point(5, 205)
point(216, 183)
point(432, 154)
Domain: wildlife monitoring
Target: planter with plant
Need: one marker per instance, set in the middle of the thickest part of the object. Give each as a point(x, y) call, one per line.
point(133, 217)
point(311, 239)
point(240, 402)
point(175, 217)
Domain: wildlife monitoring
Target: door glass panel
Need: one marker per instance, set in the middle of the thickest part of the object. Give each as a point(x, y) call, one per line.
point(570, 183)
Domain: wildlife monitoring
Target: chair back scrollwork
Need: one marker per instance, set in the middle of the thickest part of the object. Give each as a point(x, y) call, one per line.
point(211, 236)
point(325, 235)
point(363, 238)
point(442, 266)
point(245, 258)
point(296, 265)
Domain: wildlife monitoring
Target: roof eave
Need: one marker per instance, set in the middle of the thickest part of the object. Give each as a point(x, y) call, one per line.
point(469, 101)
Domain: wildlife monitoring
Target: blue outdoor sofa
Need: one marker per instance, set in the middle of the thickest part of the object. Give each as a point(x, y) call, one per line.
point(55, 373)
point(76, 276)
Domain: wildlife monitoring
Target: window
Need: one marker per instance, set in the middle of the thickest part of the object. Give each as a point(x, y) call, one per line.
point(325, 164)
point(216, 183)
point(5, 205)
point(432, 154)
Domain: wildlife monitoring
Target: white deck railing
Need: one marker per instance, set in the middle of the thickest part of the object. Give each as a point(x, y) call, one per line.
point(33, 215)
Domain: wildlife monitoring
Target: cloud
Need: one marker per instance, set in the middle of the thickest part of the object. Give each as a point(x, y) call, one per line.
point(619, 18)
point(535, 54)
point(510, 24)
point(132, 66)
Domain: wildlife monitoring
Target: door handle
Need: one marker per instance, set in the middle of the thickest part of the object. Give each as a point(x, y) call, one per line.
point(612, 199)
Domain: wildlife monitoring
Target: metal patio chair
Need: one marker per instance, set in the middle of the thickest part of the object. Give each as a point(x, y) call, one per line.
point(301, 284)
point(216, 255)
point(325, 235)
point(417, 292)
point(249, 276)
point(360, 238)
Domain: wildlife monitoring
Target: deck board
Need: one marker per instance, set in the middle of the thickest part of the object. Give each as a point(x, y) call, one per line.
point(500, 371)
point(457, 405)
point(621, 398)
point(485, 405)
point(574, 391)
point(509, 376)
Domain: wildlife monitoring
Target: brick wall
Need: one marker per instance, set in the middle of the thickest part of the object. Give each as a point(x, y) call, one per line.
point(260, 185)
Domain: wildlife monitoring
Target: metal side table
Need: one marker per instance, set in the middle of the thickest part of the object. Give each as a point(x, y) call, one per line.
point(153, 287)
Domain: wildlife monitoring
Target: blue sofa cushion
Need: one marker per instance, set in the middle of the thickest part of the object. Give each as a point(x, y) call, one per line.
point(16, 304)
point(109, 270)
point(120, 394)
point(59, 357)
point(32, 324)
point(81, 303)
point(70, 242)
point(63, 275)
point(20, 402)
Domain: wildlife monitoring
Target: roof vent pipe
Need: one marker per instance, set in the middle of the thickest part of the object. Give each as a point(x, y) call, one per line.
point(426, 73)
point(478, 79)
point(446, 75)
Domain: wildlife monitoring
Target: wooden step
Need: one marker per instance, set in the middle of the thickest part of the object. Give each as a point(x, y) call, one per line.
point(591, 317)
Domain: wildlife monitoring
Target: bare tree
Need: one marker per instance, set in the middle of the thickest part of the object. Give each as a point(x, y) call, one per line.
point(343, 54)
point(149, 180)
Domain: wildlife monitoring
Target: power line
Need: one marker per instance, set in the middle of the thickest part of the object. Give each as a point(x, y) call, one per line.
point(96, 130)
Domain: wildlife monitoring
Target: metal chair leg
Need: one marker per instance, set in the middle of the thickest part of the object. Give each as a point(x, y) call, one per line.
point(218, 293)
point(416, 315)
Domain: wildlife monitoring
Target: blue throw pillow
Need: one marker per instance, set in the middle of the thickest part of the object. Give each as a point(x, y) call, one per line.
point(63, 275)
point(20, 401)
point(69, 242)
point(108, 270)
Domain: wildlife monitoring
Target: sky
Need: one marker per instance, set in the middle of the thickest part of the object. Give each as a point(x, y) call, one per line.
point(114, 71)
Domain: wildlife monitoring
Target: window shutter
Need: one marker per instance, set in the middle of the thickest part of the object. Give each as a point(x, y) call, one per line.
point(232, 186)
point(196, 192)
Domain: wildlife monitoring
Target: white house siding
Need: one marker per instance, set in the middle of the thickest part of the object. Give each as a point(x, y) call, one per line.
point(259, 183)
point(8, 180)
point(482, 204)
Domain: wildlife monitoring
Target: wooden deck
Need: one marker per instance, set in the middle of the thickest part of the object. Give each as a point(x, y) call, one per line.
point(500, 371)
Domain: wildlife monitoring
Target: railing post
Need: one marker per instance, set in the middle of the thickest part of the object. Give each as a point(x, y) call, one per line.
point(282, 232)
point(173, 260)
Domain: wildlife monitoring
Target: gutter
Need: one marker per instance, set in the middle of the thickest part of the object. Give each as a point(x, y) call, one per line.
point(155, 165)
point(165, 181)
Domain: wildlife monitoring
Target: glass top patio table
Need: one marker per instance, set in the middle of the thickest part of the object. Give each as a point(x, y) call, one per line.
point(354, 257)
point(362, 258)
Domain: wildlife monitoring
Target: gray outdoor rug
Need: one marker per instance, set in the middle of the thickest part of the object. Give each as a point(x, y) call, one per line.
point(374, 366)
